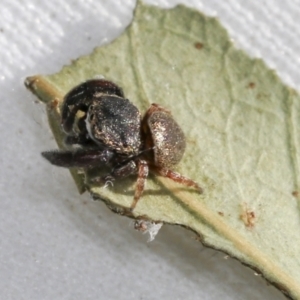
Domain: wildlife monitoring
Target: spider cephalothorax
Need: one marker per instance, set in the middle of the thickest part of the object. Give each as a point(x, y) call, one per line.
point(111, 132)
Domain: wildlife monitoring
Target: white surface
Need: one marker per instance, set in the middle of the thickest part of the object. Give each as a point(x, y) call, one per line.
point(55, 244)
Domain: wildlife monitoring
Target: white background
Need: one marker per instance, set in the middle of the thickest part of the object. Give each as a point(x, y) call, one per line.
point(55, 244)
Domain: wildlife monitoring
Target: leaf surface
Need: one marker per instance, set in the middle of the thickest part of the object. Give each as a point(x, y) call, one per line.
point(242, 129)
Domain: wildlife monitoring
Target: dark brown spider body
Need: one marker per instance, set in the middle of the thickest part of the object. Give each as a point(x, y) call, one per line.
point(111, 132)
point(115, 122)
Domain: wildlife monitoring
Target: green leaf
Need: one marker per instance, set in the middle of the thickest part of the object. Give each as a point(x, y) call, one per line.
point(242, 129)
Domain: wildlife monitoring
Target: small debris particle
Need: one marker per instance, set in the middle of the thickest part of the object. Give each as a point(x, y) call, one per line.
point(140, 225)
point(198, 45)
point(150, 227)
point(221, 213)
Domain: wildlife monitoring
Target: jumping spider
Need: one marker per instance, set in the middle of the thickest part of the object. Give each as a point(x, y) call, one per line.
point(111, 132)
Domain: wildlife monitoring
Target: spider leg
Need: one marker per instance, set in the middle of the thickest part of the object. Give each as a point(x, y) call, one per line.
point(143, 171)
point(120, 171)
point(177, 177)
point(126, 170)
point(80, 139)
point(79, 158)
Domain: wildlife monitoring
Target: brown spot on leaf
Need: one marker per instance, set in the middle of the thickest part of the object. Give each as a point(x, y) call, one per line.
point(251, 85)
point(295, 194)
point(54, 103)
point(198, 45)
point(248, 216)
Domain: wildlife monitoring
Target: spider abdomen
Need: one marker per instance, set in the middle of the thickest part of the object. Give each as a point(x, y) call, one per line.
point(167, 137)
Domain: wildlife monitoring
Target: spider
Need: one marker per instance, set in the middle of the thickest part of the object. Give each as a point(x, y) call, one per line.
point(110, 131)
